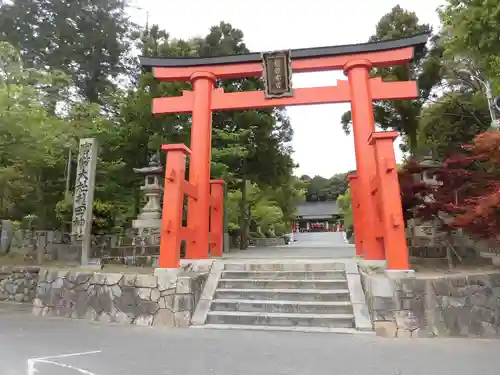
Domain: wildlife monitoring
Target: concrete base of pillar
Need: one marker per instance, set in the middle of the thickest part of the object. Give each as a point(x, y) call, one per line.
point(399, 274)
point(365, 263)
point(166, 272)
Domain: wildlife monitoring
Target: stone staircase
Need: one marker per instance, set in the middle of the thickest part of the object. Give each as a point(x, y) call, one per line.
point(282, 296)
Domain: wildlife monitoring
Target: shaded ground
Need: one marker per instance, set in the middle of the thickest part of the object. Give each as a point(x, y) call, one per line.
point(127, 350)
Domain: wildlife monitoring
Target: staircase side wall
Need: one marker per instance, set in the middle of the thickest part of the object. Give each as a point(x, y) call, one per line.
point(18, 284)
point(166, 299)
point(442, 306)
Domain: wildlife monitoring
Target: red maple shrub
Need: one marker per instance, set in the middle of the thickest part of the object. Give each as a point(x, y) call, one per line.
point(466, 193)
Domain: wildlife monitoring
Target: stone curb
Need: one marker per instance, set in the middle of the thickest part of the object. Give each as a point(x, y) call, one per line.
point(200, 314)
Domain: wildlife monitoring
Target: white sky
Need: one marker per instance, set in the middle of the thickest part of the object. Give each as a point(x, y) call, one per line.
point(321, 146)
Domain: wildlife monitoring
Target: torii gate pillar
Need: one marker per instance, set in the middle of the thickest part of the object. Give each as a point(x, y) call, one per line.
point(363, 126)
point(373, 223)
point(199, 168)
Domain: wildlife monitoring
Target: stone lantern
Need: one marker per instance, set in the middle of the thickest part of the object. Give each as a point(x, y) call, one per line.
point(149, 219)
point(427, 230)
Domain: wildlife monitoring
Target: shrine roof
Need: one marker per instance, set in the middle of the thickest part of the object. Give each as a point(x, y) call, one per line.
point(317, 210)
point(416, 41)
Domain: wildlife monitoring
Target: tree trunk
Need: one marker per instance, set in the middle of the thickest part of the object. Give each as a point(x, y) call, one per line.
point(243, 216)
point(412, 141)
point(2, 199)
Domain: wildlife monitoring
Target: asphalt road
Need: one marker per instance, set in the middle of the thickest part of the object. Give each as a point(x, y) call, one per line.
point(125, 350)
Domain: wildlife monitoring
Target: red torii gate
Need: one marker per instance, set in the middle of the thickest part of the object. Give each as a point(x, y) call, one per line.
point(379, 227)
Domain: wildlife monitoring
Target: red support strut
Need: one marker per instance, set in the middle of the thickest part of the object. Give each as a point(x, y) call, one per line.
point(175, 189)
point(390, 207)
point(173, 202)
point(356, 214)
point(217, 217)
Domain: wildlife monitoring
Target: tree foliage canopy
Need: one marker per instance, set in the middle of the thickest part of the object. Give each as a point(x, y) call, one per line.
point(466, 190)
point(70, 71)
point(403, 115)
point(472, 33)
point(324, 189)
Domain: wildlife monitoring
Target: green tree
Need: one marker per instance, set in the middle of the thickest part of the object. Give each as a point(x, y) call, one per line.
point(472, 32)
point(45, 119)
point(271, 209)
point(403, 115)
point(86, 39)
point(35, 142)
point(452, 121)
point(287, 196)
point(103, 215)
point(138, 133)
point(31, 139)
point(322, 189)
point(264, 213)
point(252, 144)
point(344, 202)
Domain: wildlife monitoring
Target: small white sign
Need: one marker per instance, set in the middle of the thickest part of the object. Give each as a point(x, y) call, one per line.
point(495, 123)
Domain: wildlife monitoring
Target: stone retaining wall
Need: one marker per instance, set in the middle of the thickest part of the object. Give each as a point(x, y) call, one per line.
point(18, 283)
point(167, 299)
point(451, 305)
point(264, 242)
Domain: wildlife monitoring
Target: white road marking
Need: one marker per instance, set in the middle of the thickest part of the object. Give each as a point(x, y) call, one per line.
point(77, 369)
point(67, 355)
point(33, 361)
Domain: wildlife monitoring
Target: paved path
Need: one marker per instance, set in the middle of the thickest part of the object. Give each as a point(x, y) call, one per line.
point(126, 350)
point(307, 245)
point(319, 239)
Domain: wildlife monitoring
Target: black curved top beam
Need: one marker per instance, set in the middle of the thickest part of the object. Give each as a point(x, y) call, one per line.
point(416, 41)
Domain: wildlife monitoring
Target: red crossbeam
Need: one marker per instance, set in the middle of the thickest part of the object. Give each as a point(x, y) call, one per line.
point(222, 101)
point(212, 201)
point(378, 59)
point(213, 237)
point(186, 234)
point(189, 189)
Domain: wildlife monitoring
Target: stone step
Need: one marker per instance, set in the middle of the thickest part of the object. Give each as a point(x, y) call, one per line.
point(281, 284)
point(309, 267)
point(281, 319)
point(284, 328)
point(283, 294)
point(285, 275)
point(314, 307)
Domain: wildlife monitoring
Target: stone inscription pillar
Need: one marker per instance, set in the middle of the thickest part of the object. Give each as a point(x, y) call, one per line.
point(84, 195)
